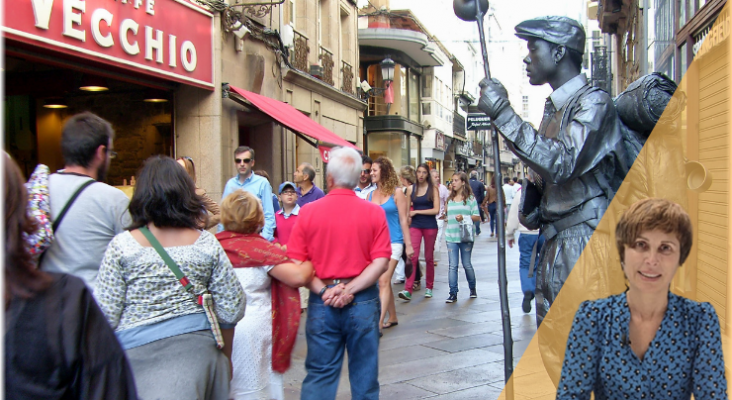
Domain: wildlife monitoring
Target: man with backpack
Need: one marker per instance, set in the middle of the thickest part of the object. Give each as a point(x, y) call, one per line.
point(86, 212)
point(577, 152)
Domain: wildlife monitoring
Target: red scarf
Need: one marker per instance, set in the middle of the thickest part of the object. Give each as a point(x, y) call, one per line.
point(251, 250)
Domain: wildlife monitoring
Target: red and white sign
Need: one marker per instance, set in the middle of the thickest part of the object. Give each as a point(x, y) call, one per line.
point(171, 39)
point(325, 153)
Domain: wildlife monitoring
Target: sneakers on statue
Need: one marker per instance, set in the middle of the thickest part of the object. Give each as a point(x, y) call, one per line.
point(452, 298)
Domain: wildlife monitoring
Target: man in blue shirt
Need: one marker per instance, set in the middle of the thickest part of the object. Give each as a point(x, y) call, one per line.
point(254, 184)
point(307, 192)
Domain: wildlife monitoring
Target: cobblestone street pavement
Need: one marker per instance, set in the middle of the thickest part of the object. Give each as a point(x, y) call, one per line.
point(444, 351)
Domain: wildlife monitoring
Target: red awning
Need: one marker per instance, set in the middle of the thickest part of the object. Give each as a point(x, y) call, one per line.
point(293, 119)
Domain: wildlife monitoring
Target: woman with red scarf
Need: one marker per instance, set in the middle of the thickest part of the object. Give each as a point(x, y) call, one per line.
point(264, 338)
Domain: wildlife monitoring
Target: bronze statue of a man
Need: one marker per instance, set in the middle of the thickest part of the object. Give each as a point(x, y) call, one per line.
point(577, 152)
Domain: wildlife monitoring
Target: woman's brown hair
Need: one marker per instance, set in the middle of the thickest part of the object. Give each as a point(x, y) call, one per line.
point(22, 278)
point(466, 191)
point(654, 214)
point(389, 180)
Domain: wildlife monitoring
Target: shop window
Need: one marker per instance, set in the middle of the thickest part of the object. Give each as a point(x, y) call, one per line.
point(404, 99)
point(427, 84)
point(414, 149)
point(426, 108)
point(389, 144)
point(414, 98)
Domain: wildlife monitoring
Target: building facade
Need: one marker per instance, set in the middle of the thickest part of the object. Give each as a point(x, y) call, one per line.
point(161, 72)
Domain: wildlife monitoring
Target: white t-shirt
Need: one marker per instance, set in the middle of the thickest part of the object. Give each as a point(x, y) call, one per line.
point(510, 192)
point(98, 214)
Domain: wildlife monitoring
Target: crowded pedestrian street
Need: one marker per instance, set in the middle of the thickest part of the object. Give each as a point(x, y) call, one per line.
point(443, 351)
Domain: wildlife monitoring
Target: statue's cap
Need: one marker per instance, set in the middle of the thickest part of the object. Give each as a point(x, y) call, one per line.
point(557, 30)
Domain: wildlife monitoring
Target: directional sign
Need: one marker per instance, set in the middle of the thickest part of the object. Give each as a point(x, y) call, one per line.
point(478, 122)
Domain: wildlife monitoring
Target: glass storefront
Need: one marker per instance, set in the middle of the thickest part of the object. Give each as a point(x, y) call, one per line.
point(414, 156)
point(389, 144)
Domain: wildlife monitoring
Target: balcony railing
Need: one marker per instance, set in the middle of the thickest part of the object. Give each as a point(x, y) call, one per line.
point(326, 60)
point(299, 55)
point(458, 125)
point(347, 78)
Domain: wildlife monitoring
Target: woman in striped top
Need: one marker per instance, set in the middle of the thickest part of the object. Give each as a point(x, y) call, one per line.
point(461, 205)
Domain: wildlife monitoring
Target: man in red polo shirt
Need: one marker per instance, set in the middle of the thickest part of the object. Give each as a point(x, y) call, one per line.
point(343, 310)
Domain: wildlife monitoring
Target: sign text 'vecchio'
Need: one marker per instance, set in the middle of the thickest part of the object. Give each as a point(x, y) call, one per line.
point(166, 38)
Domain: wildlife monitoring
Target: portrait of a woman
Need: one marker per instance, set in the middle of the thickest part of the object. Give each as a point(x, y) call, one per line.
point(647, 342)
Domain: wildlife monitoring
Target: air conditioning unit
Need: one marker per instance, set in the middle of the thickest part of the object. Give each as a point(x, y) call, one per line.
point(316, 71)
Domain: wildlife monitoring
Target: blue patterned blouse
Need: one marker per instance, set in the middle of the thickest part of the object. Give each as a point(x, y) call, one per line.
point(685, 357)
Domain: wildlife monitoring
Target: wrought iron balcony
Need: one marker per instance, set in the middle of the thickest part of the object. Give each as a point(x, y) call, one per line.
point(326, 60)
point(347, 78)
point(299, 54)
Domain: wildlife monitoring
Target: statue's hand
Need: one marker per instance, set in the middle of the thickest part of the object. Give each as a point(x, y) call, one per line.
point(493, 98)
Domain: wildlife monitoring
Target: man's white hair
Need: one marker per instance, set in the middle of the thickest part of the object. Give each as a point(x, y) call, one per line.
point(344, 166)
point(473, 174)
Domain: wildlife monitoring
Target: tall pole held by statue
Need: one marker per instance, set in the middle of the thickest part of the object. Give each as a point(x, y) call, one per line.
point(464, 9)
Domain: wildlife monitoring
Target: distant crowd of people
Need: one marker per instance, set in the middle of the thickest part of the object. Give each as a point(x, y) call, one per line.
point(167, 299)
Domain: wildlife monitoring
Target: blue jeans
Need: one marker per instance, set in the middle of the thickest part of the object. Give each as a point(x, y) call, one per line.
point(329, 331)
point(477, 227)
point(492, 213)
point(463, 250)
point(526, 244)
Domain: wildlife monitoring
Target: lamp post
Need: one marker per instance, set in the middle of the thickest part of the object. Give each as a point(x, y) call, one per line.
point(475, 10)
point(387, 75)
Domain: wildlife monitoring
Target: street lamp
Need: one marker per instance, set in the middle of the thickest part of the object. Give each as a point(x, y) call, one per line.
point(387, 74)
point(387, 70)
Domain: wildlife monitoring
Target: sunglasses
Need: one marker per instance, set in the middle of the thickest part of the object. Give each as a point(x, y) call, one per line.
point(243, 160)
point(112, 153)
point(365, 171)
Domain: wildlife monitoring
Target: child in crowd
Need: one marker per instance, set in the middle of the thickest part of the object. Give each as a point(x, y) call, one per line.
point(285, 220)
point(286, 217)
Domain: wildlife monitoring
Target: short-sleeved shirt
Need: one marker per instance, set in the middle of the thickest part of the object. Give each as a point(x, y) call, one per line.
point(455, 208)
point(304, 198)
point(341, 234)
point(97, 215)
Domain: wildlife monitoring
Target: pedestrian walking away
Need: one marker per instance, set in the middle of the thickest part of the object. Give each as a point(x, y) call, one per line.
point(171, 333)
point(58, 344)
point(343, 310)
point(98, 211)
point(440, 217)
point(462, 208)
point(479, 192)
point(396, 207)
point(264, 338)
point(530, 244)
point(425, 200)
point(490, 203)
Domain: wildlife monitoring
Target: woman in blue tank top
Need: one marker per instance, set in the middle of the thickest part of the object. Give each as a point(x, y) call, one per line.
point(396, 208)
point(425, 199)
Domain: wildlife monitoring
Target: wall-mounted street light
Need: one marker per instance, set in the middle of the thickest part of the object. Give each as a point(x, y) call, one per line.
point(387, 73)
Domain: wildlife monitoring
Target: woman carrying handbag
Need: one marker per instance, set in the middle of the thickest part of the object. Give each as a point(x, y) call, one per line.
point(462, 211)
point(165, 285)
